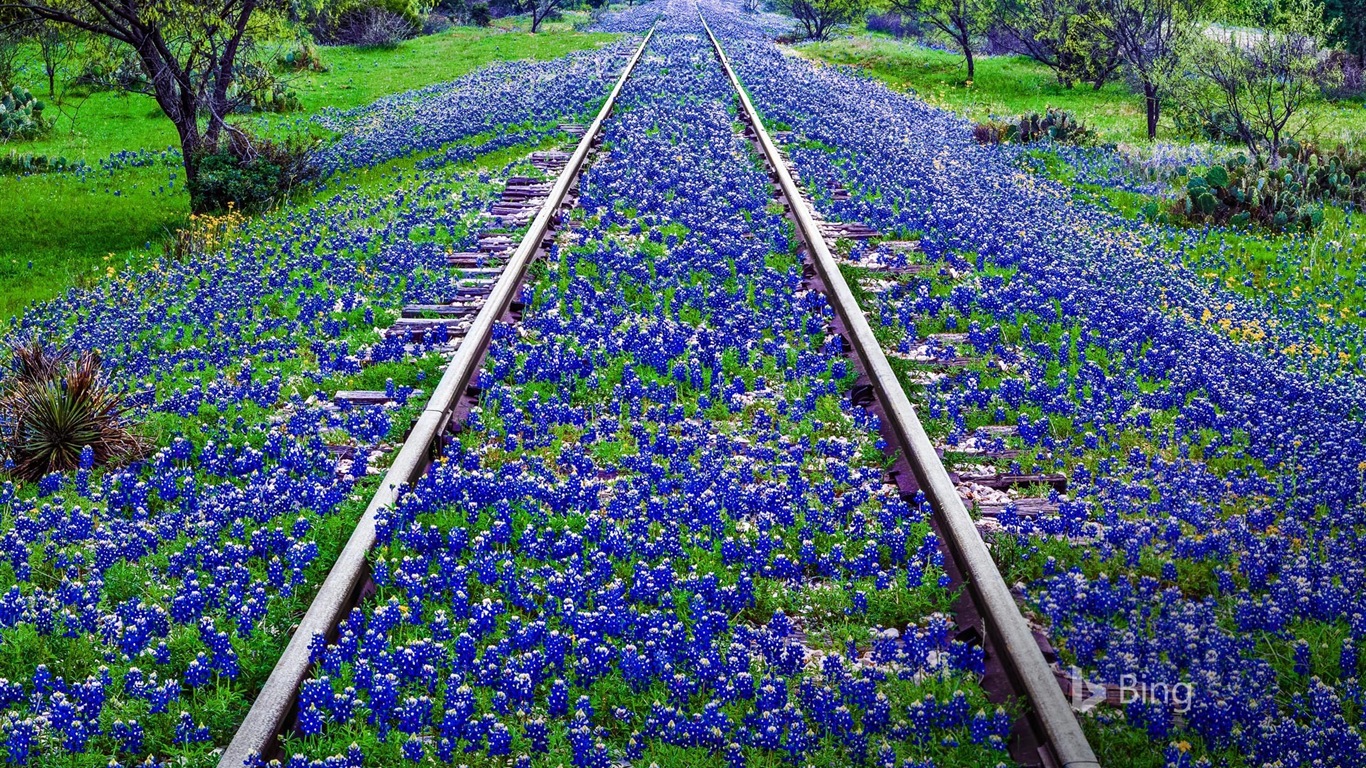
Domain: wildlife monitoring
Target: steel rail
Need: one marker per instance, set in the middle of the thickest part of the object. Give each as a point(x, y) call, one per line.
point(260, 729)
point(1023, 659)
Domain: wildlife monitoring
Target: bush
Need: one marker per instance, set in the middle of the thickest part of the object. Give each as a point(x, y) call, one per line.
point(27, 162)
point(249, 174)
point(375, 28)
point(894, 24)
point(61, 413)
point(480, 15)
point(21, 116)
point(1288, 196)
point(1218, 126)
point(256, 89)
point(113, 73)
point(369, 23)
point(1055, 125)
point(1351, 83)
point(303, 58)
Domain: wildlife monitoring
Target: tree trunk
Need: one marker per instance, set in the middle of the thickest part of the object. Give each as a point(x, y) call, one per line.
point(967, 53)
point(190, 149)
point(1152, 107)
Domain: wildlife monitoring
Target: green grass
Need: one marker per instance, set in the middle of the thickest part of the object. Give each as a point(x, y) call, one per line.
point(1008, 86)
point(1319, 271)
point(1004, 85)
point(58, 228)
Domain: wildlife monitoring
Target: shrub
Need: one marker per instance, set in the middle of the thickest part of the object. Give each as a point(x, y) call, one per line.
point(21, 116)
point(60, 412)
point(480, 15)
point(375, 28)
point(256, 89)
point(250, 173)
point(369, 23)
point(27, 162)
point(894, 24)
point(993, 131)
point(113, 73)
point(1351, 80)
point(1287, 196)
point(1217, 126)
point(1055, 125)
point(305, 57)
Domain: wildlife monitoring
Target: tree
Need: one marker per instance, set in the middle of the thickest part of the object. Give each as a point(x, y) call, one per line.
point(1349, 25)
point(820, 17)
point(14, 28)
point(961, 20)
point(1149, 35)
point(187, 49)
point(55, 43)
point(1259, 84)
point(540, 10)
point(1056, 33)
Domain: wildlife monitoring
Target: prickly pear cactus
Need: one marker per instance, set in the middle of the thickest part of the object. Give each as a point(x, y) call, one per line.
point(1287, 196)
point(21, 116)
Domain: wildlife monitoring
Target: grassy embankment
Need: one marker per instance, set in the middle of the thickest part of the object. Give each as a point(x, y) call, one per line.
point(1320, 269)
point(1007, 86)
point(60, 227)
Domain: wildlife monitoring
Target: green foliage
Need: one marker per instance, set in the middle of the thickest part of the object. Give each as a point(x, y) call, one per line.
point(377, 23)
point(55, 405)
point(1061, 35)
point(111, 71)
point(305, 57)
point(257, 89)
point(820, 17)
point(1057, 125)
point(1348, 18)
point(29, 162)
point(480, 16)
point(249, 174)
point(1286, 196)
point(21, 116)
point(1255, 87)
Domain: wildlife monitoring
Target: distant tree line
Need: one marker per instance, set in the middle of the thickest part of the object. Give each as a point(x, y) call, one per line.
point(1244, 70)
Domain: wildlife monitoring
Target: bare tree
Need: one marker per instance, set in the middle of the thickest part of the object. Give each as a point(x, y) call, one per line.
point(540, 10)
point(1149, 35)
point(55, 43)
point(960, 20)
point(187, 49)
point(1261, 83)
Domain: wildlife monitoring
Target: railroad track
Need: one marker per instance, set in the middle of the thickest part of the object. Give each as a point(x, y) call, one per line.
point(271, 712)
point(1048, 734)
point(1051, 734)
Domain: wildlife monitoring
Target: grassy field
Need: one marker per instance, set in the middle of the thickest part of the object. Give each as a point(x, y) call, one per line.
point(58, 228)
point(1008, 86)
point(1319, 271)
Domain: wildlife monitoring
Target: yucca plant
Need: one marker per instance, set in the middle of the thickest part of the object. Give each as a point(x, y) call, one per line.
point(36, 361)
point(55, 405)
